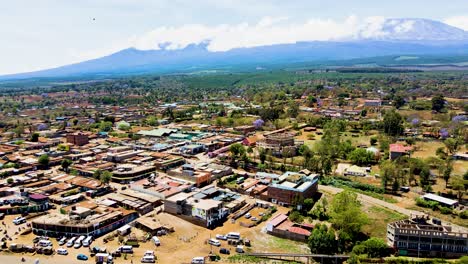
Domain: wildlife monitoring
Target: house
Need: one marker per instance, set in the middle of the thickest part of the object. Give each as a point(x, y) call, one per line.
point(355, 171)
point(281, 226)
point(398, 150)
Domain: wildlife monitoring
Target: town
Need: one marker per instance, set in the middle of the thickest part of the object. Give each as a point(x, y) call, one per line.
point(111, 172)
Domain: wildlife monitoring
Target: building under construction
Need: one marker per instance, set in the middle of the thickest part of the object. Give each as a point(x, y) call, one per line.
point(424, 237)
point(279, 144)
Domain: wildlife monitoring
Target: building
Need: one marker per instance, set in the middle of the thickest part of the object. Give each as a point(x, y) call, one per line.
point(280, 143)
point(373, 103)
point(442, 200)
point(78, 139)
point(206, 207)
point(281, 226)
point(419, 236)
point(398, 150)
point(292, 188)
point(82, 221)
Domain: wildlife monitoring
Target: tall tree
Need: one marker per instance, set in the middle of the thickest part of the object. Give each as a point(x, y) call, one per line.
point(393, 123)
point(346, 214)
point(438, 103)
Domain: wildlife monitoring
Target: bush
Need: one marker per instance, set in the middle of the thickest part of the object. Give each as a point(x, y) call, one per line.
point(296, 217)
point(445, 210)
point(464, 214)
point(427, 204)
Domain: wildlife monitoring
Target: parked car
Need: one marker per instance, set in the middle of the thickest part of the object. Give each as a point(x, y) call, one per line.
point(221, 237)
point(214, 242)
point(19, 220)
point(224, 251)
point(82, 257)
point(62, 241)
point(247, 215)
point(240, 249)
point(62, 251)
point(254, 218)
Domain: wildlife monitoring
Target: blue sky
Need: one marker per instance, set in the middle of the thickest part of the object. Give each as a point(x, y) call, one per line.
point(49, 33)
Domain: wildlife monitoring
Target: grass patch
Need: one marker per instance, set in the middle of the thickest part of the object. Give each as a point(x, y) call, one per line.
point(286, 244)
point(379, 218)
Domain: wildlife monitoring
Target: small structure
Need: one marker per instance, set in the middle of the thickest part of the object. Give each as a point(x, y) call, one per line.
point(398, 150)
point(281, 226)
point(442, 200)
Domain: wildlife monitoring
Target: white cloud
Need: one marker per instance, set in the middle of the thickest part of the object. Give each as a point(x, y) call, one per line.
point(458, 21)
point(268, 31)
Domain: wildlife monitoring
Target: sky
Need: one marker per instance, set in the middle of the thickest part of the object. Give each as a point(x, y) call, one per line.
point(41, 34)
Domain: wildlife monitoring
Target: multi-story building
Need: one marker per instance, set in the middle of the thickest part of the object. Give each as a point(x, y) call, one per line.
point(292, 188)
point(78, 139)
point(422, 237)
point(280, 144)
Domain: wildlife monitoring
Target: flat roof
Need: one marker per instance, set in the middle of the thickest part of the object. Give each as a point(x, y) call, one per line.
point(439, 199)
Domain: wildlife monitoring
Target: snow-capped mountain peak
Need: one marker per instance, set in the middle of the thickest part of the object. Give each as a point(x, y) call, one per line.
point(409, 29)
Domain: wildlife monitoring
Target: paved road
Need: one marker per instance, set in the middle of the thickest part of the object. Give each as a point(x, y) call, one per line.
point(377, 202)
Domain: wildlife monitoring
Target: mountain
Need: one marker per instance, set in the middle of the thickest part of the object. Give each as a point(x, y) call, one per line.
point(410, 29)
point(382, 38)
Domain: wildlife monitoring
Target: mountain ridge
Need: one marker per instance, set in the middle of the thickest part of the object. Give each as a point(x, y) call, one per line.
point(389, 37)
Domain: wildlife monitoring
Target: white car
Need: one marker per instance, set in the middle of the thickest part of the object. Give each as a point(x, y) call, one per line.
point(19, 220)
point(221, 237)
point(247, 215)
point(62, 251)
point(214, 242)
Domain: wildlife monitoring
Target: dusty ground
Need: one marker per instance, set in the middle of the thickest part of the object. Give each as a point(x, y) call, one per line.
point(186, 242)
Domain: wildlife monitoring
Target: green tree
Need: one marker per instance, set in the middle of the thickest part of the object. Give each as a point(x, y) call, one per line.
point(105, 177)
point(373, 141)
point(452, 145)
point(322, 240)
point(361, 156)
point(372, 248)
point(460, 185)
point(296, 217)
point(398, 102)
point(346, 214)
point(34, 137)
point(66, 163)
point(10, 180)
point(393, 123)
point(447, 171)
point(44, 160)
point(438, 103)
point(237, 150)
point(262, 153)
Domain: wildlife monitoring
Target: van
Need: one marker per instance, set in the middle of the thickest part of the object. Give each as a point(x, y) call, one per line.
point(198, 260)
point(62, 241)
point(62, 251)
point(126, 249)
point(45, 243)
point(87, 241)
point(148, 259)
point(214, 242)
point(156, 241)
point(71, 242)
point(233, 235)
point(79, 241)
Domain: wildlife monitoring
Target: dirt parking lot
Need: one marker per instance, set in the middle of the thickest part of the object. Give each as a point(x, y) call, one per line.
point(181, 246)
